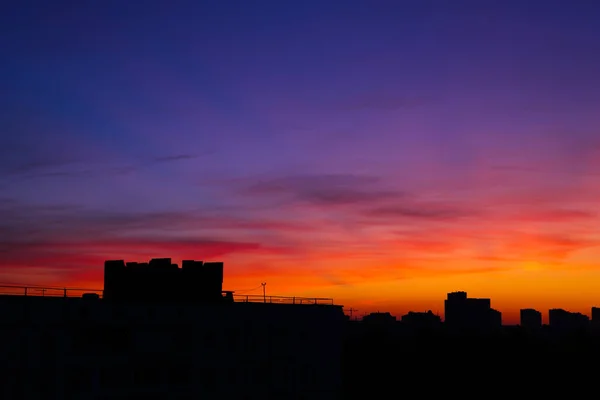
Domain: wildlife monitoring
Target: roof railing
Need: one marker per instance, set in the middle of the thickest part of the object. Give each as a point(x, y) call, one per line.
point(45, 291)
point(281, 299)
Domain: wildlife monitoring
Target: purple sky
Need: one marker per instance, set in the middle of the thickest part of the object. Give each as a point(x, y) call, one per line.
point(298, 128)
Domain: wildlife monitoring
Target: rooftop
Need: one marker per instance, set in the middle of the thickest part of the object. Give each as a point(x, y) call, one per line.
point(47, 291)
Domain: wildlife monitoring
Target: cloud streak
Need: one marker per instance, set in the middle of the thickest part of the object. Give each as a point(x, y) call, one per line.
point(177, 157)
point(70, 167)
point(384, 102)
point(323, 190)
point(423, 211)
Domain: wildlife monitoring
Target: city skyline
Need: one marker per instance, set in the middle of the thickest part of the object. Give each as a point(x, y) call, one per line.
point(379, 154)
point(161, 279)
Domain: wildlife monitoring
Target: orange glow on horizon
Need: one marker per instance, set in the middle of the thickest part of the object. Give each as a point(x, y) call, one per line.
point(387, 258)
point(395, 287)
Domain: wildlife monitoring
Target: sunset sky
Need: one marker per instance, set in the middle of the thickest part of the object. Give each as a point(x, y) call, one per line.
point(382, 153)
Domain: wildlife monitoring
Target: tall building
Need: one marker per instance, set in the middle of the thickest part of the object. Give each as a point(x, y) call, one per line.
point(161, 280)
point(596, 317)
point(562, 320)
point(151, 345)
point(421, 320)
point(531, 319)
point(461, 312)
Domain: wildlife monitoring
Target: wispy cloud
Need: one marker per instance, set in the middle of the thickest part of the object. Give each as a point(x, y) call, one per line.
point(553, 215)
point(383, 102)
point(42, 165)
point(178, 157)
point(546, 246)
point(549, 170)
point(324, 190)
point(35, 222)
point(185, 247)
point(79, 168)
point(71, 236)
point(424, 211)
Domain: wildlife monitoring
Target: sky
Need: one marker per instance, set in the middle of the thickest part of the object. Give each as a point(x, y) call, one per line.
point(382, 153)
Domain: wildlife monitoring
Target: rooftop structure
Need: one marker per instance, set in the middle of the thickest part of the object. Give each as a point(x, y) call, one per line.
point(130, 341)
point(161, 280)
point(462, 312)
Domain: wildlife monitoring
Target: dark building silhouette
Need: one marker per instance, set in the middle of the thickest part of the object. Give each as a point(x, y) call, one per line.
point(192, 340)
point(495, 318)
point(379, 318)
point(531, 319)
point(462, 312)
point(377, 356)
point(563, 320)
point(161, 280)
point(140, 344)
point(595, 317)
point(421, 320)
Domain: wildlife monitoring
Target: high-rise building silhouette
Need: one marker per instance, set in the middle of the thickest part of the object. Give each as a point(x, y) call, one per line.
point(596, 317)
point(531, 319)
point(161, 280)
point(462, 312)
point(563, 320)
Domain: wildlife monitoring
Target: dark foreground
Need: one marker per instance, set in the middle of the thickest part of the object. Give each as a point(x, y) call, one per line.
point(510, 362)
point(62, 348)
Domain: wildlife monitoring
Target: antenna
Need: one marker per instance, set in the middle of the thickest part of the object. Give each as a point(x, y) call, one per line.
point(264, 286)
point(351, 310)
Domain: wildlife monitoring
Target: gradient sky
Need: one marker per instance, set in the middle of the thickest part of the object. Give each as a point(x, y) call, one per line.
point(382, 153)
